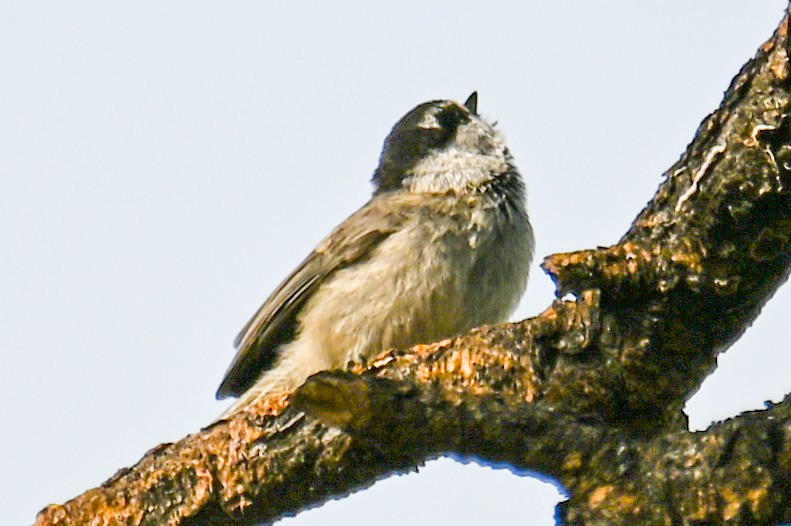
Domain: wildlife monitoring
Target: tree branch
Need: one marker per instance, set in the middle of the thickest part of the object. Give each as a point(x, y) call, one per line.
point(589, 391)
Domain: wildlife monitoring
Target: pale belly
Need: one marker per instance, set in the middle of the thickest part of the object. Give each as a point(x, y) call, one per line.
point(420, 286)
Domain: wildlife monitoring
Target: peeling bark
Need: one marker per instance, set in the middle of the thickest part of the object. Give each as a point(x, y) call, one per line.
point(589, 392)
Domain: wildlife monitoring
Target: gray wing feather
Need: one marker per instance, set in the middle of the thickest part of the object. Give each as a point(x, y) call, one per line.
point(276, 321)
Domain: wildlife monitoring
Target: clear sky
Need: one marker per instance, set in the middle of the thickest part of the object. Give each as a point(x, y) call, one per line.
point(163, 165)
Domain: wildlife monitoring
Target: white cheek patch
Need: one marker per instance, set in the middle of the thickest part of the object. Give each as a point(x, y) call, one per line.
point(476, 156)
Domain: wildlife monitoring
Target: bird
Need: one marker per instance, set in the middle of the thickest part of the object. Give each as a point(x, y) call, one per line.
point(443, 245)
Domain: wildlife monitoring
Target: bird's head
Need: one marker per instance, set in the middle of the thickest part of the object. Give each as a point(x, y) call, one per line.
point(442, 146)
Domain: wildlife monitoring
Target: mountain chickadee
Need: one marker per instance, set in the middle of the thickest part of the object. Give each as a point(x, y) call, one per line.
point(444, 245)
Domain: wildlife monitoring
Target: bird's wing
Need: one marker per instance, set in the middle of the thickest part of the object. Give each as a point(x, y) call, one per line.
point(276, 322)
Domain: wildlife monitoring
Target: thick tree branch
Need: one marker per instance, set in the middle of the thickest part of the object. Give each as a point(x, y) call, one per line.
point(589, 392)
point(736, 472)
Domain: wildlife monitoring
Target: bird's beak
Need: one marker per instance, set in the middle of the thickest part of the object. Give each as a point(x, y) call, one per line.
point(472, 103)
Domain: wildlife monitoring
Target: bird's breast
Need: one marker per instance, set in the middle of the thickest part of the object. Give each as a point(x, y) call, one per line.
point(436, 277)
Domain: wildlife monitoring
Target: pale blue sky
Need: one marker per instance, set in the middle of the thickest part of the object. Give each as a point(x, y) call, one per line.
point(163, 165)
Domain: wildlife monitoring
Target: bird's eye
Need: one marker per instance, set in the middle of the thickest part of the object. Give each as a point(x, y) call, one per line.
point(447, 121)
point(451, 117)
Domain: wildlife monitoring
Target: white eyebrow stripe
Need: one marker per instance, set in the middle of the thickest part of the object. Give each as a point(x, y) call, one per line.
point(429, 122)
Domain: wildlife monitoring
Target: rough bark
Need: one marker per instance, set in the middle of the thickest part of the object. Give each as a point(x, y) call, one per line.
point(589, 392)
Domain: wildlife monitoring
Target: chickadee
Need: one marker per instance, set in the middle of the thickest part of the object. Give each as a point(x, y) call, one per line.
point(444, 245)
